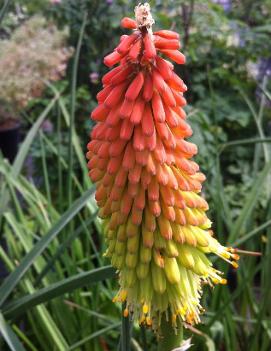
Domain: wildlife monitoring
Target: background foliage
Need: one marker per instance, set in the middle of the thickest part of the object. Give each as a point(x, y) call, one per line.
point(52, 243)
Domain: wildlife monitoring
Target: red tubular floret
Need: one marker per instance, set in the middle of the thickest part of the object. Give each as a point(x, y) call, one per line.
point(135, 50)
point(108, 76)
point(168, 96)
point(112, 59)
point(150, 51)
point(170, 64)
point(112, 134)
point(114, 97)
point(166, 44)
point(117, 147)
point(167, 34)
point(135, 87)
point(113, 117)
point(147, 121)
point(158, 108)
point(129, 157)
point(138, 110)
point(177, 83)
point(126, 108)
point(175, 56)
point(148, 88)
point(150, 141)
point(163, 68)
point(158, 81)
point(128, 23)
point(121, 75)
point(126, 130)
point(99, 113)
point(99, 131)
point(101, 96)
point(126, 43)
point(162, 130)
point(180, 100)
point(138, 140)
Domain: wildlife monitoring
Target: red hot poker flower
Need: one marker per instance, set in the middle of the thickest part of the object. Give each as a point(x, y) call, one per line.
point(148, 188)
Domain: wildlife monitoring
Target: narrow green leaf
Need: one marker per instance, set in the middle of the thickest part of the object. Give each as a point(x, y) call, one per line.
point(94, 335)
point(43, 318)
point(258, 119)
point(45, 169)
point(251, 201)
point(135, 345)
point(222, 147)
point(61, 249)
point(9, 336)
point(24, 338)
point(73, 101)
point(76, 142)
point(249, 235)
point(14, 278)
point(266, 93)
point(57, 289)
point(24, 148)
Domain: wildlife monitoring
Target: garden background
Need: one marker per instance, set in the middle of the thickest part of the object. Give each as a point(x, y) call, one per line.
point(58, 290)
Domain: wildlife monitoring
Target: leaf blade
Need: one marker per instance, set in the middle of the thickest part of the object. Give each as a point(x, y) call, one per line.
point(9, 336)
point(58, 289)
point(250, 202)
point(13, 279)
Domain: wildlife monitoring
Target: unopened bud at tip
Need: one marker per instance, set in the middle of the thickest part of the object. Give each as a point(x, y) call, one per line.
point(143, 16)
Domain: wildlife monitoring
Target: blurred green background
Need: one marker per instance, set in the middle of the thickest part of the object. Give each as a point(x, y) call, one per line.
point(56, 295)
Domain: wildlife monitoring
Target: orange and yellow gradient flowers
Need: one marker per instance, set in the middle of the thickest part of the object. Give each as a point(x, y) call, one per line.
point(148, 188)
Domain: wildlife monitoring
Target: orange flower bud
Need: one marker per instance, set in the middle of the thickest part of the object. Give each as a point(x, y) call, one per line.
point(135, 51)
point(150, 51)
point(128, 23)
point(174, 55)
point(126, 43)
point(135, 87)
point(112, 59)
point(167, 34)
point(166, 44)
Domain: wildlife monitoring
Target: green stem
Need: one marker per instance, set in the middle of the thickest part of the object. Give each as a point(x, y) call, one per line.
point(170, 338)
point(125, 332)
point(73, 103)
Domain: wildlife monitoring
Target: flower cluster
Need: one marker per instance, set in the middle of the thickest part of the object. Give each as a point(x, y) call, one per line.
point(35, 53)
point(148, 188)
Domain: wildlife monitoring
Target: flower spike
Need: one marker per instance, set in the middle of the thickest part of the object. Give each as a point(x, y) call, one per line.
point(148, 187)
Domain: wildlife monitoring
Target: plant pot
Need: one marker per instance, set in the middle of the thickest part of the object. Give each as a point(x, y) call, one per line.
point(9, 142)
point(9, 138)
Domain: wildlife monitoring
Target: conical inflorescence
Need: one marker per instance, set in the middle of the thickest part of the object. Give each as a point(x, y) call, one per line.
point(148, 188)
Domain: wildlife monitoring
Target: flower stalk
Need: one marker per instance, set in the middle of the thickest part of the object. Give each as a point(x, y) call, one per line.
point(169, 338)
